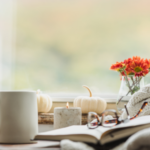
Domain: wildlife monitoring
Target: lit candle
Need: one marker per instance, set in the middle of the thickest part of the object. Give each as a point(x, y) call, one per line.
point(67, 105)
point(66, 116)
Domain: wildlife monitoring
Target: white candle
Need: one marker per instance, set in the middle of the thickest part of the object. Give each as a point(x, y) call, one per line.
point(64, 117)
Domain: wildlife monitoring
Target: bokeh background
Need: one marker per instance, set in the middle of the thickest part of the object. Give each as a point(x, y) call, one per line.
point(60, 45)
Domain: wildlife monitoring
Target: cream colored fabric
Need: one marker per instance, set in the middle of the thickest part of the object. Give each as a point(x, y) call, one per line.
point(70, 145)
point(136, 102)
point(138, 141)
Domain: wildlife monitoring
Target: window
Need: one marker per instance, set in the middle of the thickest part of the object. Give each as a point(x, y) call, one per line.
point(62, 45)
point(7, 43)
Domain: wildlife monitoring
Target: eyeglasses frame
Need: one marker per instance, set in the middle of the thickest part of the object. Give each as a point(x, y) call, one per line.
point(117, 120)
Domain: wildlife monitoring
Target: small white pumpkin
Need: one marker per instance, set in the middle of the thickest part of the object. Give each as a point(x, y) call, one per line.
point(44, 102)
point(87, 104)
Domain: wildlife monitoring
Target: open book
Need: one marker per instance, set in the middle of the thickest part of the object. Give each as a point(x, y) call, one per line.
point(100, 134)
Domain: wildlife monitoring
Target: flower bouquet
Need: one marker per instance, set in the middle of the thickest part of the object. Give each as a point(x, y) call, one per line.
point(132, 71)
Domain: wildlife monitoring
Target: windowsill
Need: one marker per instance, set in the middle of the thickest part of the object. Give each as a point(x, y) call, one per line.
point(57, 98)
point(60, 100)
point(48, 118)
point(69, 99)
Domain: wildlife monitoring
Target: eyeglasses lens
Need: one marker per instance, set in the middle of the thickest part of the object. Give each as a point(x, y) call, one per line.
point(92, 120)
point(109, 119)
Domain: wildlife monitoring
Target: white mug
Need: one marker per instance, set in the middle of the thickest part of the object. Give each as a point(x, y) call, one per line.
point(18, 116)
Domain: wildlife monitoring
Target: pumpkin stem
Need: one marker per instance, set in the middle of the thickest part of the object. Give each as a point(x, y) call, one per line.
point(88, 90)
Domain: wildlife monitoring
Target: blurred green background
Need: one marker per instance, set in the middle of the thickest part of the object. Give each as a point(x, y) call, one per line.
point(64, 44)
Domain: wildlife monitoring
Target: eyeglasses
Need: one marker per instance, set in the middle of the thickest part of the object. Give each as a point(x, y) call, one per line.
point(109, 121)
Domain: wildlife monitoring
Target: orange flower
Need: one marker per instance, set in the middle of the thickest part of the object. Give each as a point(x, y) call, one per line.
point(119, 66)
point(127, 61)
point(138, 67)
point(132, 66)
point(128, 69)
point(148, 63)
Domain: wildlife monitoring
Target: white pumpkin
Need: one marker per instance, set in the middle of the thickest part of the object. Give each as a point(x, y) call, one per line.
point(87, 104)
point(44, 102)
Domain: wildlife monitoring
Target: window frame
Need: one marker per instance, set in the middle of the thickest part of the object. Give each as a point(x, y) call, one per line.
point(57, 98)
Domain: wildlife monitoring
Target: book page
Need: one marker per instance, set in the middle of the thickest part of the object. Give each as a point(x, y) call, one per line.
point(82, 133)
point(135, 122)
point(126, 128)
point(122, 133)
point(77, 131)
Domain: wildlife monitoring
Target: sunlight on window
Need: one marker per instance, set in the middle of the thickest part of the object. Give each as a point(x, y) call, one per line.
point(62, 45)
point(7, 42)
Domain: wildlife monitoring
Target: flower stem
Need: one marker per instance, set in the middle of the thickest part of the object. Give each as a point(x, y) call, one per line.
point(139, 80)
point(122, 97)
point(127, 80)
point(132, 80)
point(130, 89)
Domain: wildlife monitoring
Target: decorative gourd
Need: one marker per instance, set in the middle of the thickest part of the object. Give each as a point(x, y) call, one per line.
point(87, 104)
point(44, 102)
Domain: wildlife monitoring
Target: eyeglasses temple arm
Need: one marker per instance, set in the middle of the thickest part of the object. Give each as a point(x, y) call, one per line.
point(141, 109)
point(127, 111)
point(98, 120)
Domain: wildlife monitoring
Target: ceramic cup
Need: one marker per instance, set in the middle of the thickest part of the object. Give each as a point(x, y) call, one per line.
point(18, 116)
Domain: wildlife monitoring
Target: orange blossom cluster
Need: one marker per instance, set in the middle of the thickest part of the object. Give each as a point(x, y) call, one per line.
point(136, 66)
